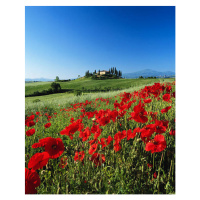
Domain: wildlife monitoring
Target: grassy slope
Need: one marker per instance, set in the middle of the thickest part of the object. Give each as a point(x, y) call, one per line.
point(65, 99)
point(78, 84)
point(122, 169)
point(36, 86)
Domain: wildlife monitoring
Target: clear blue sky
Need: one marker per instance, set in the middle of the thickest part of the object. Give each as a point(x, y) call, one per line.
point(67, 41)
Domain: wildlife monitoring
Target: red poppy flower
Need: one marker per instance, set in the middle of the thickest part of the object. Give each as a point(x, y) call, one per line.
point(139, 114)
point(63, 162)
point(32, 180)
point(38, 160)
point(130, 134)
point(72, 120)
point(31, 117)
point(98, 132)
point(165, 123)
point(168, 88)
point(102, 142)
point(85, 134)
point(93, 148)
point(149, 165)
point(160, 126)
point(41, 143)
point(126, 96)
point(54, 147)
point(79, 156)
point(117, 146)
point(158, 144)
point(98, 159)
point(173, 94)
point(29, 123)
point(72, 128)
point(172, 132)
point(166, 109)
point(104, 120)
point(93, 141)
point(153, 115)
point(113, 114)
point(47, 125)
point(109, 140)
point(30, 132)
point(166, 97)
point(155, 175)
point(120, 135)
point(146, 132)
point(90, 114)
point(147, 100)
point(94, 128)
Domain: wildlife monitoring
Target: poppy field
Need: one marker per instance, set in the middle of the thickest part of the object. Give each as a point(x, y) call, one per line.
point(124, 144)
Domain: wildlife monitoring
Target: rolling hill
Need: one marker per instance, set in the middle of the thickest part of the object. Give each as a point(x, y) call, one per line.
point(148, 73)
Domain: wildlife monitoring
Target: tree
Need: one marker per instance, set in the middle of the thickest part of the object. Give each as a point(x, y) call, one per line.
point(57, 79)
point(79, 76)
point(55, 86)
point(87, 73)
point(120, 73)
point(115, 70)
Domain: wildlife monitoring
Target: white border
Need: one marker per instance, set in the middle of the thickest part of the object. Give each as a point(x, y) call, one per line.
point(100, 2)
point(12, 64)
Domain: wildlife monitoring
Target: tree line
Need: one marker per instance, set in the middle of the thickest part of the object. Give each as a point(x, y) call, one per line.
point(112, 72)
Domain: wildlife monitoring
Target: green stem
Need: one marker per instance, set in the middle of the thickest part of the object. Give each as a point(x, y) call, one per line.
point(159, 174)
point(153, 161)
point(170, 170)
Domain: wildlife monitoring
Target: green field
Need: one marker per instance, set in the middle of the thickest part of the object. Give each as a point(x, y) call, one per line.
point(89, 84)
point(65, 99)
point(124, 171)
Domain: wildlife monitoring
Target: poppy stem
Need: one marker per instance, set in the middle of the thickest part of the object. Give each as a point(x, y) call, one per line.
point(153, 160)
point(159, 174)
point(170, 170)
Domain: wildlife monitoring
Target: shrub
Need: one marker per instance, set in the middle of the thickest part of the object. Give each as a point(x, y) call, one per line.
point(44, 92)
point(36, 100)
point(55, 87)
point(36, 93)
point(77, 92)
point(50, 91)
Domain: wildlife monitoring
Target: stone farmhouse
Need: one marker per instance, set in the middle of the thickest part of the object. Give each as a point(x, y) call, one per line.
point(103, 72)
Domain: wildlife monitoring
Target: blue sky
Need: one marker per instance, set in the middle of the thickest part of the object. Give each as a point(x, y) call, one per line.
point(68, 41)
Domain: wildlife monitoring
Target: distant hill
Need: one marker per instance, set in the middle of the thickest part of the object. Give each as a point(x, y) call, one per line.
point(38, 79)
point(148, 73)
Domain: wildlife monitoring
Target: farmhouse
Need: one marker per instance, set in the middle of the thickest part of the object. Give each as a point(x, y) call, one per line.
point(104, 72)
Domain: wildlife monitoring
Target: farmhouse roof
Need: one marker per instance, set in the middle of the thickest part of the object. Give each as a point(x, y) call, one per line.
point(104, 71)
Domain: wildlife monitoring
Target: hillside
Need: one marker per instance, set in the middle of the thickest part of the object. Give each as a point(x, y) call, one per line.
point(89, 84)
point(148, 73)
point(103, 137)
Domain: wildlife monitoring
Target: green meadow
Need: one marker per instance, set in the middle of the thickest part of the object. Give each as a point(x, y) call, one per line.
point(130, 170)
point(89, 84)
point(32, 104)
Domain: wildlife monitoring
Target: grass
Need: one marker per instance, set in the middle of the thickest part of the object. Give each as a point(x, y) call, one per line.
point(124, 172)
point(65, 99)
point(89, 84)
